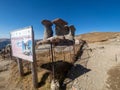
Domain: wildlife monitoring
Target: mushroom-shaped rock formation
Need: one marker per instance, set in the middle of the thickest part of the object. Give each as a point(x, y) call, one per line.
point(71, 34)
point(59, 21)
point(60, 27)
point(48, 32)
point(72, 29)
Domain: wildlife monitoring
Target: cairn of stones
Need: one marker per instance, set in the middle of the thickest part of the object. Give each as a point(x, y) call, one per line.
point(61, 29)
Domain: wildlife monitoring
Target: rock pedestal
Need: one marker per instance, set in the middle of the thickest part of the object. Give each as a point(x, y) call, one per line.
point(69, 36)
point(61, 27)
point(48, 32)
point(72, 29)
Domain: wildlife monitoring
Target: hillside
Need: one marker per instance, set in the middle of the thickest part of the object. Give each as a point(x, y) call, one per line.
point(100, 63)
point(97, 36)
point(97, 66)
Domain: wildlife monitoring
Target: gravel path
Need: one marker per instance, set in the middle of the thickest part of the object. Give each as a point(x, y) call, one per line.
point(90, 71)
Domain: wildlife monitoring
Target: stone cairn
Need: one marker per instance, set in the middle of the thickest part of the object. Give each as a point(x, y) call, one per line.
point(61, 29)
point(48, 29)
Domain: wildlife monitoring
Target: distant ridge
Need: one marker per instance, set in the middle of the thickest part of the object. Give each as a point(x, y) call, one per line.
point(4, 39)
point(4, 42)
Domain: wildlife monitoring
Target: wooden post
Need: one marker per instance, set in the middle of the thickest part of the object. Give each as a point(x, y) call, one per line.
point(49, 55)
point(53, 77)
point(63, 54)
point(10, 48)
point(20, 67)
point(34, 65)
point(70, 54)
point(34, 74)
point(74, 48)
point(54, 55)
point(10, 53)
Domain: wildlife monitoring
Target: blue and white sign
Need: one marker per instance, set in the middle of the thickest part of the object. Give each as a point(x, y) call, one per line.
point(22, 43)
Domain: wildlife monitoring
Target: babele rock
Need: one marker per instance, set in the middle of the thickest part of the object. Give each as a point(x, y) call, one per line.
point(61, 27)
point(72, 29)
point(71, 34)
point(48, 32)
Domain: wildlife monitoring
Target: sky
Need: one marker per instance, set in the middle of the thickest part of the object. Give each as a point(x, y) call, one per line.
point(86, 15)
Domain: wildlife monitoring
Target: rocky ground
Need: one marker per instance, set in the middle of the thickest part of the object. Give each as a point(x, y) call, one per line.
point(4, 74)
point(97, 68)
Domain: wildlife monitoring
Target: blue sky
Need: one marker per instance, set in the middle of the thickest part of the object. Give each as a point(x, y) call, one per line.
point(86, 15)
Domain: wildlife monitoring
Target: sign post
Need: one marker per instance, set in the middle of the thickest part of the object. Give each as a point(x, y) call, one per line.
point(53, 71)
point(33, 65)
point(22, 42)
point(20, 67)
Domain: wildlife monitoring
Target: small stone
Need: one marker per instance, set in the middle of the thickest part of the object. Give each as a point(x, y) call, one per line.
point(55, 85)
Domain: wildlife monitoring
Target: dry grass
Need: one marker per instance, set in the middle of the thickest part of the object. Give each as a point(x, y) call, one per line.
point(44, 74)
point(97, 36)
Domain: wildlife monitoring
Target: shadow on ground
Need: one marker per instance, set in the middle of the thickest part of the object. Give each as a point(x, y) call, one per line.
point(43, 79)
point(60, 69)
point(77, 71)
point(63, 70)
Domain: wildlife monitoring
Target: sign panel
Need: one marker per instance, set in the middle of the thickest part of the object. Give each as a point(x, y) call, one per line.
point(22, 43)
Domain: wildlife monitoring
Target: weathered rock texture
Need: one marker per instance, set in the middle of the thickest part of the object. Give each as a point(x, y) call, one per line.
point(72, 29)
point(61, 30)
point(61, 27)
point(48, 29)
point(71, 34)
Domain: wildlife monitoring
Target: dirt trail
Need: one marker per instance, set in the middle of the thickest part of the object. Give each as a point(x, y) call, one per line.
point(95, 70)
point(98, 62)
